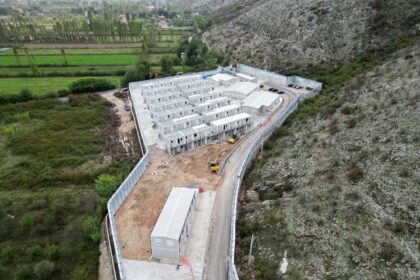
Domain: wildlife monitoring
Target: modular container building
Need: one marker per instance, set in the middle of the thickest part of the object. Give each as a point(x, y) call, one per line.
point(260, 102)
point(213, 104)
point(222, 112)
point(240, 90)
point(169, 237)
point(236, 124)
point(173, 113)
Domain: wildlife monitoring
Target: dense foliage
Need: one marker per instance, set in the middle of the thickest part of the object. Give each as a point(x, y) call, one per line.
point(198, 55)
point(139, 72)
point(53, 184)
point(90, 85)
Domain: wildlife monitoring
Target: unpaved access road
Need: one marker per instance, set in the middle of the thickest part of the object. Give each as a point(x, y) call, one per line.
point(218, 248)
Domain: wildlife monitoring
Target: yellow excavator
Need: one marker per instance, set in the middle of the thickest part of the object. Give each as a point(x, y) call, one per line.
point(214, 166)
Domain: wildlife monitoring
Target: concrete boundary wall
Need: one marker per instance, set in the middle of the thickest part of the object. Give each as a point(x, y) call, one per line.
point(266, 75)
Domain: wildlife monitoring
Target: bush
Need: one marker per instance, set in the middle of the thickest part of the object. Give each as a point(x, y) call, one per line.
point(270, 196)
point(355, 174)
point(248, 228)
point(34, 251)
point(7, 254)
point(3, 272)
point(23, 272)
point(399, 227)
point(90, 85)
point(44, 269)
point(25, 95)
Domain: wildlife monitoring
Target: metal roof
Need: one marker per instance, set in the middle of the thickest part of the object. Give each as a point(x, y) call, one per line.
point(260, 98)
point(174, 213)
point(222, 109)
point(244, 88)
point(222, 77)
point(230, 119)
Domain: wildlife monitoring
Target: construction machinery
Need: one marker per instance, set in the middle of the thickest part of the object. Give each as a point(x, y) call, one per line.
point(214, 166)
point(233, 139)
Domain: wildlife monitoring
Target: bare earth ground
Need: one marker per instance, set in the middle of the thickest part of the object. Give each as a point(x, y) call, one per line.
point(126, 127)
point(138, 213)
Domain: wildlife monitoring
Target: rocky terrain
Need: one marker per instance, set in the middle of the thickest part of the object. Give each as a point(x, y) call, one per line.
point(277, 33)
point(338, 188)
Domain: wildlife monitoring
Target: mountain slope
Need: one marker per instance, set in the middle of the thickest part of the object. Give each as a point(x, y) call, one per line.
point(339, 190)
point(278, 33)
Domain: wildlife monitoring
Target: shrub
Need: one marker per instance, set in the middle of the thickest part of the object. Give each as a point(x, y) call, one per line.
point(105, 186)
point(7, 254)
point(44, 269)
point(25, 95)
point(355, 174)
point(347, 110)
point(52, 251)
point(248, 228)
point(270, 196)
point(352, 123)
point(34, 251)
point(399, 227)
point(23, 272)
point(90, 85)
point(3, 272)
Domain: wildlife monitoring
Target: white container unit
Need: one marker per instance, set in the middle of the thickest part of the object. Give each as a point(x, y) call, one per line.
point(236, 124)
point(169, 237)
point(222, 112)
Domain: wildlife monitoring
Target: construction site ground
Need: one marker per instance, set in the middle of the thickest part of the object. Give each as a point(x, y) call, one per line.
point(138, 214)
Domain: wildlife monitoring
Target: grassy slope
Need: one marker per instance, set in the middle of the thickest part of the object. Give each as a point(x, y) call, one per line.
point(41, 86)
point(47, 175)
point(347, 207)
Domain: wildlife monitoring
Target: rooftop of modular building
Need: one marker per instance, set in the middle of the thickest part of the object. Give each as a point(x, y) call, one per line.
point(244, 88)
point(201, 127)
point(222, 109)
point(245, 76)
point(230, 119)
point(187, 117)
point(222, 77)
point(174, 213)
point(260, 98)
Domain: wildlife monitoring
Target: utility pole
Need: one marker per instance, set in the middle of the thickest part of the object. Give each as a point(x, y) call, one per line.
point(250, 249)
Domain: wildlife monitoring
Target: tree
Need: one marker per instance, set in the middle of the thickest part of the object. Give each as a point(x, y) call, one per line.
point(138, 73)
point(166, 65)
point(64, 56)
point(44, 269)
point(16, 54)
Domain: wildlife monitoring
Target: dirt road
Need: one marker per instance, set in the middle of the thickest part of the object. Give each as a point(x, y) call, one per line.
point(127, 127)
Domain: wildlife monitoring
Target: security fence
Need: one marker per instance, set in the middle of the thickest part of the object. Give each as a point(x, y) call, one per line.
point(271, 76)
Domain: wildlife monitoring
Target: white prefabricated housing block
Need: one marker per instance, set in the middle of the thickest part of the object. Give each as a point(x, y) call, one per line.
point(169, 237)
point(240, 90)
point(260, 102)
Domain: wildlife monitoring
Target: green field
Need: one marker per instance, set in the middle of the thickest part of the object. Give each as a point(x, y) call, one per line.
point(51, 155)
point(93, 59)
point(41, 86)
point(70, 70)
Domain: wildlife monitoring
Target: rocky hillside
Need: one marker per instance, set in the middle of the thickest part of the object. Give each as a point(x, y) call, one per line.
point(338, 188)
point(278, 33)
